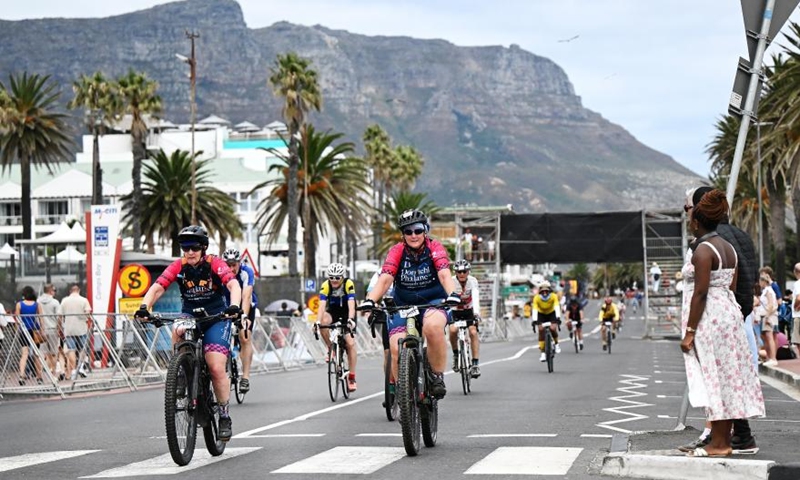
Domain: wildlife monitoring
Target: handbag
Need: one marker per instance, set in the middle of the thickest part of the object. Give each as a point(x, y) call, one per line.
point(37, 337)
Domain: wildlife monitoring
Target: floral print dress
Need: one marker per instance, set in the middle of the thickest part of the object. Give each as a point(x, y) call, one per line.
point(719, 369)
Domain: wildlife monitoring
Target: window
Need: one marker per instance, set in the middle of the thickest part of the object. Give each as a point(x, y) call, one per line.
point(10, 213)
point(52, 212)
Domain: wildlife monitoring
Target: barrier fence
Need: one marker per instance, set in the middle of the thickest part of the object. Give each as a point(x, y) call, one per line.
point(122, 353)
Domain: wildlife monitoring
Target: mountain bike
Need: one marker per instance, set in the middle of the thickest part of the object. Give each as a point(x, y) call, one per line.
point(189, 398)
point(464, 351)
point(378, 317)
point(609, 333)
point(549, 344)
point(419, 409)
point(235, 363)
point(338, 365)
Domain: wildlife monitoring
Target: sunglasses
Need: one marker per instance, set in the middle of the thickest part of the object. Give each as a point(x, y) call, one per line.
point(462, 271)
point(686, 208)
point(337, 277)
point(544, 292)
point(193, 248)
point(418, 231)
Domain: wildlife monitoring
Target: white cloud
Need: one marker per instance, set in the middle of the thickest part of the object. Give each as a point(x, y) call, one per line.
point(662, 70)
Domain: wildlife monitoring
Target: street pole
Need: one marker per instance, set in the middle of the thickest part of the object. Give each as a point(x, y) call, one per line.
point(193, 78)
point(760, 206)
point(306, 219)
point(750, 100)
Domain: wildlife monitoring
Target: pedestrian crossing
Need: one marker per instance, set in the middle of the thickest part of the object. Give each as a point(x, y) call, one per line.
point(340, 460)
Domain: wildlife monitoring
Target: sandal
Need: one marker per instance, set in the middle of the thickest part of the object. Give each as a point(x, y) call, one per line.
point(701, 452)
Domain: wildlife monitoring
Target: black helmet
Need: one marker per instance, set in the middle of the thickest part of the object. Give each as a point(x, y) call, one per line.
point(194, 234)
point(410, 217)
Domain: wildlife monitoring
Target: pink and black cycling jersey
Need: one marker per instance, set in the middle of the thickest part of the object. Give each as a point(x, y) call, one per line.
point(416, 276)
point(202, 286)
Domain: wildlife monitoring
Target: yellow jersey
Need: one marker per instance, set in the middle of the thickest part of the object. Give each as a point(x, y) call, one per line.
point(546, 306)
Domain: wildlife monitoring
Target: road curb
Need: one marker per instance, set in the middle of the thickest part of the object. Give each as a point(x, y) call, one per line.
point(780, 374)
point(786, 471)
point(658, 465)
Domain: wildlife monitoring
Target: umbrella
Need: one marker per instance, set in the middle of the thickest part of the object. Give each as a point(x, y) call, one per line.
point(275, 306)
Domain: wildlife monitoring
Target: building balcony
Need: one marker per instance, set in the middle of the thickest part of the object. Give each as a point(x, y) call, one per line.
point(50, 219)
point(12, 220)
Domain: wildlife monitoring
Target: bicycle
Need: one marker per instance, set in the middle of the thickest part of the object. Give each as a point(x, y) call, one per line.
point(609, 334)
point(235, 363)
point(189, 398)
point(419, 409)
point(464, 352)
point(575, 342)
point(338, 365)
point(549, 344)
point(389, 397)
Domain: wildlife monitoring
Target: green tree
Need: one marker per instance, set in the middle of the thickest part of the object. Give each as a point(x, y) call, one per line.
point(617, 275)
point(292, 79)
point(139, 97)
point(98, 98)
point(166, 197)
point(32, 132)
point(396, 205)
point(337, 188)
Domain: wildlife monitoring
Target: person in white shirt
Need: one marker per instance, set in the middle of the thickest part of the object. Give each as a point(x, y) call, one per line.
point(655, 275)
point(469, 310)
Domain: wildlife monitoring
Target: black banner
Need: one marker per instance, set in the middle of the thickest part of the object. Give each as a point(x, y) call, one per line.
point(571, 238)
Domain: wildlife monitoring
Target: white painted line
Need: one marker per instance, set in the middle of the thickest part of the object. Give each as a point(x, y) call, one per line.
point(593, 435)
point(350, 403)
point(760, 420)
point(667, 372)
point(163, 464)
point(791, 392)
point(526, 461)
point(667, 381)
point(29, 459)
point(287, 435)
point(668, 396)
point(633, 384)
point(656, 371)
point(379, 435)
point(513, 435)
point(346, 460)
point(665, 416)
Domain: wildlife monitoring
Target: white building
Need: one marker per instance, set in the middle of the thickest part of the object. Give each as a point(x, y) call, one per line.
point(235, 160)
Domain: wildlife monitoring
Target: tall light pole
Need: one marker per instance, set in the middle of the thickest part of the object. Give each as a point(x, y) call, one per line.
point(192, 61)
point(758, 188)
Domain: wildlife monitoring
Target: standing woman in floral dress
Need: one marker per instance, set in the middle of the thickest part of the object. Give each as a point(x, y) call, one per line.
point(719, 370)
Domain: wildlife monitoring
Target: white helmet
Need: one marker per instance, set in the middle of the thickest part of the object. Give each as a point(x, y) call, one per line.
point(231, 255)
point(545, 286)
point(335, 270)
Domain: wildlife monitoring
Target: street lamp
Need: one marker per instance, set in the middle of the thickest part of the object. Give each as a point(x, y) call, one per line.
point(192, 62)
point(758, 188)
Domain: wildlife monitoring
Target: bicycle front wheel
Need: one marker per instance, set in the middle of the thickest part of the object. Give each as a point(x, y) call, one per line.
point(608, 339)
point(211, 429)
point(407, 394)
point(549, 352)
point(429, 410)
point(575, 340)
point(345, 371)
point(179, 414)
point(333, 374)
point(463, 368)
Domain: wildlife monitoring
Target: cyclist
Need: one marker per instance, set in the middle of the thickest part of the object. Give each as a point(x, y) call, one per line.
point(575, 313)
point(621, 308)
point(337, 303)
point(608, 311)
point(420, 269)
point(245, 275)
point(467, 287)
point(546, 308)
point(201, 279)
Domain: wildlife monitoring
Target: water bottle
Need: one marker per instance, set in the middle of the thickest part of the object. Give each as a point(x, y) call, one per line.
point(411, 327)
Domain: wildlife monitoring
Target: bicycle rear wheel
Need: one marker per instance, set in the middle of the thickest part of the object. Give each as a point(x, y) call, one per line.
point(235, 368)
point(333, 373)
point(389, 398)
point(429, 410)
point(549, 350)
point(463, 368)
point(608, 339)
point(468, 356)
point(211, 429)
point(407, 394)
point(344, 366)
point(179, 414)
point(575, 340)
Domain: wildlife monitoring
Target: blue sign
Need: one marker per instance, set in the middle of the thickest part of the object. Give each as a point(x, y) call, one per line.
point(101, 236)
point(311, 285)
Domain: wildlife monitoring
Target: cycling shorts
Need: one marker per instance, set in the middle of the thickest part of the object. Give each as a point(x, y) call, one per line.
point(579, 325)
point(468, 315)
point(397, 324)
point(548, 317)
point(217, 336)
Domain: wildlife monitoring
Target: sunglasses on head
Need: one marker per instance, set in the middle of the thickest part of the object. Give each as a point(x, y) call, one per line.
point(417, 231)
point(194, 248)
point(335, 277)
point(686, 208)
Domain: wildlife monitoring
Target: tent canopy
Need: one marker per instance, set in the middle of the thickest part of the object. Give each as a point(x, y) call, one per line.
point(63, 234)
point(70, 255)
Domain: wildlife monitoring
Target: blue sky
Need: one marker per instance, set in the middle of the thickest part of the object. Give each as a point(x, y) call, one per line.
point(661, 69)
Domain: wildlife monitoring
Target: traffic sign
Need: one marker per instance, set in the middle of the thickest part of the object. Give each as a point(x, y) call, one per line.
point(753, 14)
point(740, 85)
point(134, 280)
point(128, 306)
point(515, 290)
point(313, 303)
point(311, 285)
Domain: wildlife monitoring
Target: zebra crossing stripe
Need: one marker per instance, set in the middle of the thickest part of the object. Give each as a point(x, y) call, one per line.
point(28, 459)
point(163, 464)
point(346, 460)
point(526, 461)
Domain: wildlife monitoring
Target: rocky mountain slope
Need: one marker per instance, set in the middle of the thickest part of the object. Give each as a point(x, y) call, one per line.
point(496, 125)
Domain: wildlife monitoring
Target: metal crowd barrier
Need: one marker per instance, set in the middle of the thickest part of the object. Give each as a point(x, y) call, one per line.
point(121, 352)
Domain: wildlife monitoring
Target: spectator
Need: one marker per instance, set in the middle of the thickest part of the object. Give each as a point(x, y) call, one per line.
point(775, 287)
point(655, 275)
point(52, 339)
point(284, 311)
point(3, 324)
point(491, 245)
point(795, 335)
point(75, 309)
point(783, 347)
point(466, 244)
point(769, 318)
point(26, 311)
point(727, 385)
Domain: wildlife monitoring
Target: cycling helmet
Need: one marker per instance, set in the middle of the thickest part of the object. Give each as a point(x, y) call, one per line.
point(335, 270)
point(410, 217)
point(545, 286)
point(231, 255)
point(193, 234)
point(462, 266)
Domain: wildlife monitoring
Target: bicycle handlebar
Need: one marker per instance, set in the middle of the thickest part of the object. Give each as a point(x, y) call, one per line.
point(318, 326)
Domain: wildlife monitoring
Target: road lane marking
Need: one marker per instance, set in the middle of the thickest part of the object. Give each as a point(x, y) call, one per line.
point(379, 435)
point(288, 435)
point(791, 392)
point(633, 382)
point(346, 460)
point(512, 435)
point(29, 459)
point(350, 403)
point(526, 461)
point(596, 435)
point(163, 464)
point(761, 420)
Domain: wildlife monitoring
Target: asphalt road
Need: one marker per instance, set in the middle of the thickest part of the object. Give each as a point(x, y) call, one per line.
point(518, 420)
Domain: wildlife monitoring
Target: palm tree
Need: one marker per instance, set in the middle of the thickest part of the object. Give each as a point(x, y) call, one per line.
point(379, 157)
point(292, 79)
point(408, 167)
point(166, 197)
point(139, 98)
point(32, 132)
point(337, 190)
point(97, 97)
point(396, 205)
